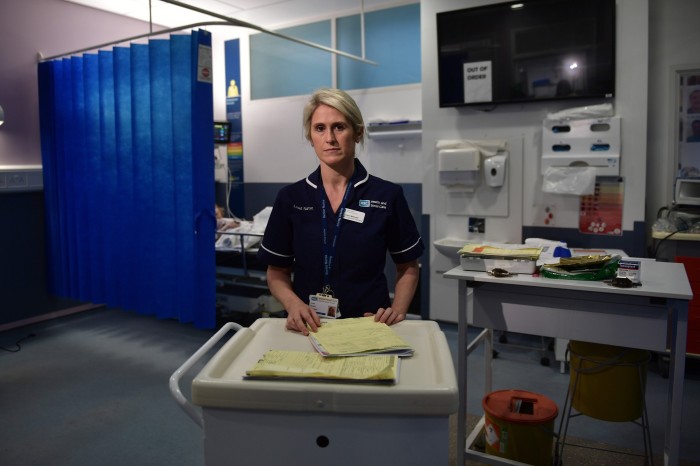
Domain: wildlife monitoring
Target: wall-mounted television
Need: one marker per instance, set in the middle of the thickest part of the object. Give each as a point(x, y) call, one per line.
point(222, 132)
point(527, 51)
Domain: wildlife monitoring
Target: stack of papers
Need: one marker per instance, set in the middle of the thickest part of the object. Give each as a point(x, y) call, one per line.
point(377, 346)
point(513, 258)
point(308, 366)
point(506, 251)
point(358, 337)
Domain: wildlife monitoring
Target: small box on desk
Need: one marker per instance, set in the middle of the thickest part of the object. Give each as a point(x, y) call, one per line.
point(513, 258)
point(480, 264)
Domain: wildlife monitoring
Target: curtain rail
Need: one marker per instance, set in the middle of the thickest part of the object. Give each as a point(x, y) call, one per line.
point(226, 21)
point(237, 22)
point(140, 36)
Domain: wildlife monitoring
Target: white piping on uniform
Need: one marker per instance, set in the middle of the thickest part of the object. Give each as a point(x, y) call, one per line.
point(410, 247)
point(273, 252)
point(308, 181)
point(362, 180)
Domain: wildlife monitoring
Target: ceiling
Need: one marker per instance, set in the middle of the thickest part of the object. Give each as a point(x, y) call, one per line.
point(264, 13)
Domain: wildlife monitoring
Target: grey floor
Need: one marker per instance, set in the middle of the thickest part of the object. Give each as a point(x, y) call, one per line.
point(92, 389)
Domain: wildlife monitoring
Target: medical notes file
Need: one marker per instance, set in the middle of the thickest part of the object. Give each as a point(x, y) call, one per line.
point(310, 366)
point(357, 337)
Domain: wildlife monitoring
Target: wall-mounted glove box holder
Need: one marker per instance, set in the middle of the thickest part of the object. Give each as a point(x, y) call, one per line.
point(591, 142)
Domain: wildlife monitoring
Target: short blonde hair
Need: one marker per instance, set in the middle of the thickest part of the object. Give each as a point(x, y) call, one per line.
point(339, 100)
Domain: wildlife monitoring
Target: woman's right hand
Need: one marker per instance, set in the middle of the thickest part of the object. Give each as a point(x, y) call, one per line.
point(301, 318)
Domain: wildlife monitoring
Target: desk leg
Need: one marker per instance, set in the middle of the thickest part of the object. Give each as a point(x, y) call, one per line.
point(462, 370)
point(678, 330)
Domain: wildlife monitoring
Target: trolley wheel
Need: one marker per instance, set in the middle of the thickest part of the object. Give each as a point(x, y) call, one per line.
point(544, 361)
point(494, 354)
point(503, 338)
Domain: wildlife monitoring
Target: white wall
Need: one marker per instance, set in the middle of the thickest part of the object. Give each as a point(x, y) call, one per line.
point(51, 27)
point(673, 34)
point(523, 122)
point(274, 148)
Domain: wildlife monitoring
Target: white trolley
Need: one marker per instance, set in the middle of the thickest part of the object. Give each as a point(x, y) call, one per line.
point(253, 422)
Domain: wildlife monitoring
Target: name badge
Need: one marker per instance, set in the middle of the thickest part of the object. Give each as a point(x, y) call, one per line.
point(354, 215)
point(324, 305)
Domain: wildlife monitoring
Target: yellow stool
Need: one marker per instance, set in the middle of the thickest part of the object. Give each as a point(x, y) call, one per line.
point(607, 383)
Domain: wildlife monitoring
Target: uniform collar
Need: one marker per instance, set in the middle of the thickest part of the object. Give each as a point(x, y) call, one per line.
point(361, 176)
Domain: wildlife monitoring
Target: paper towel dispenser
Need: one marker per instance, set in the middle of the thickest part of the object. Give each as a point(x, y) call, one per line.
point(459, 168)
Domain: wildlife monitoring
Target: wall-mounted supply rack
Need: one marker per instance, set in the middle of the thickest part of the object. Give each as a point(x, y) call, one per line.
point(395, 129)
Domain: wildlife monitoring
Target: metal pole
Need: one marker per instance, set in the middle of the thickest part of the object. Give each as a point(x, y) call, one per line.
point(140, 36)
point(237, 22)
point(227, 21)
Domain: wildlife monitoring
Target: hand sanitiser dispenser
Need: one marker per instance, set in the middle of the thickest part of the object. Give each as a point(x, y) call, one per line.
point(459, 168)
point(495, 170)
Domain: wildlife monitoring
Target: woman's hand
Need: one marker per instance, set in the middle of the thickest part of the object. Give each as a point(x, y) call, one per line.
point(301, 318)
point(387, 316)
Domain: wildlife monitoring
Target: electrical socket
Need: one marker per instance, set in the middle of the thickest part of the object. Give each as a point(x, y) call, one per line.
point(16, 180)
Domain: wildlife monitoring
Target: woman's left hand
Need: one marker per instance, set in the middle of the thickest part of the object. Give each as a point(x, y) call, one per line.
point(387, 316)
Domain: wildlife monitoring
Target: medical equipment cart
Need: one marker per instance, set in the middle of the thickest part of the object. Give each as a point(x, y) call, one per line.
point(255, 422)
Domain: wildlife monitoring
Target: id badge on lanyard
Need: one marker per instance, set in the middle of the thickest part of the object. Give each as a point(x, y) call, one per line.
point(323, 303)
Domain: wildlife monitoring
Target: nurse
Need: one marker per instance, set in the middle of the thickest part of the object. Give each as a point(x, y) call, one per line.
point(328, 235)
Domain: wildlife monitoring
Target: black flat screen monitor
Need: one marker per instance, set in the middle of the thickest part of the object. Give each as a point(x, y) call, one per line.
point(527, 51)
point(222, 132)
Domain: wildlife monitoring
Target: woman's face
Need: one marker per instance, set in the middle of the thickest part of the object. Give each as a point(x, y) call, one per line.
point(332, 136)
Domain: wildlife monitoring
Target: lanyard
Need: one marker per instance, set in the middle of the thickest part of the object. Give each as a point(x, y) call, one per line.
point(329, 249)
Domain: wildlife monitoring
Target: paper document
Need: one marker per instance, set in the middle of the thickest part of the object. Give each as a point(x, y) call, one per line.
point(504, 250)
point(358, 336)
point(299, 365)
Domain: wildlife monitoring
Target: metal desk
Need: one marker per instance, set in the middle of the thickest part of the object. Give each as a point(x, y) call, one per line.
point(653, 316)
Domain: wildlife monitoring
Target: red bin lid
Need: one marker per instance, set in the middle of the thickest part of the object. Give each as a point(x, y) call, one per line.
point(520, 407)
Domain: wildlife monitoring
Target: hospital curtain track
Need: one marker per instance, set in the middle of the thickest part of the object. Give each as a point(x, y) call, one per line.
point(128, 177)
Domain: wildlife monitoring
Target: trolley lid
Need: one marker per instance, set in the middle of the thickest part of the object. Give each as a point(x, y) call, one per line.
point(427, 382)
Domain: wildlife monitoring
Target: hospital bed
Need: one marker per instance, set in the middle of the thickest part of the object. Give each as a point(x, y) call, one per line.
point(241, 284)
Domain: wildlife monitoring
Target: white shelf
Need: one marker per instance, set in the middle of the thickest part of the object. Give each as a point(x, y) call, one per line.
point(676, 236)
point(20, 178)
point(411, 129)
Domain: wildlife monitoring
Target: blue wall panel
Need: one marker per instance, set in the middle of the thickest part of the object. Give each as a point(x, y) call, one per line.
point(280, 68)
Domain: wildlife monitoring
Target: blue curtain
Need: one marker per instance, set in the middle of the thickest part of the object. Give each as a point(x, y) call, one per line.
point(128, 177)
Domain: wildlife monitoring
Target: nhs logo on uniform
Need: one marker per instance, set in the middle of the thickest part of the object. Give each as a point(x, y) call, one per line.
point(364, 203)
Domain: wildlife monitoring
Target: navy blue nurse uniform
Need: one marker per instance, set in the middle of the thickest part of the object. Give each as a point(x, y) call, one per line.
point(293, 238)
